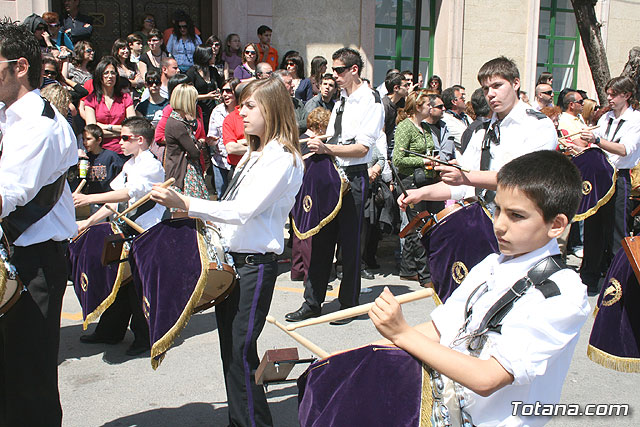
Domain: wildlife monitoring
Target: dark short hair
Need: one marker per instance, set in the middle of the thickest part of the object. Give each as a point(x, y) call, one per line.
point(393, 79)
point(202, 55)
point(94, 130)
point(140, 126)
point(548, 178)
point(349, 58)
point(175, 81)
point(16, 41)
point(233, 83)
point(479, 103)
point(500, 66)
point(448, 95)
point(297, 59)
point(328, 76)
point(622, 84)
point(263, 29)
point(131, 38)
point(568, 98)
point(153, 74)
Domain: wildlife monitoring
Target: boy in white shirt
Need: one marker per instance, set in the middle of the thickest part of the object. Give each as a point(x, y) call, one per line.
point(527, 358)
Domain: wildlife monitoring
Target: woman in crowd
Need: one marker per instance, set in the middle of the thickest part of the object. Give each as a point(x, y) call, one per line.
point(183, 150)
point(205, 78)
point(252, 220)
point(318, 69)
point(218, 151)
point(152, 58)
point(126, 69)
point(247, 69)
point(147, 24)
point(434, 84)
point(231, 55)
point(108, 105)
point(59, 38)
point(414, 173)
point(182, 43)
point(283, 62)
point(589, 107)
point(216, 46)
point(301, 85)
point(80, 68)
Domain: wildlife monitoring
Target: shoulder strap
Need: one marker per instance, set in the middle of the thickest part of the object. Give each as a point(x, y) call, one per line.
point(535, 113)
point(337, 124)
point(485, 154)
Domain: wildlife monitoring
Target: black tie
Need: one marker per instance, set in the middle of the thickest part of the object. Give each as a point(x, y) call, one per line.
point(337, 125)
point(491, 136)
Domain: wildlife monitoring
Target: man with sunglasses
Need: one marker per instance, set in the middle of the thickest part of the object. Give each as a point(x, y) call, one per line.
point(355, 125)
point(544, 96)
point(37, 147)
point(570, 121)
point(264, 70)
point(151, 108)
point(455, 116)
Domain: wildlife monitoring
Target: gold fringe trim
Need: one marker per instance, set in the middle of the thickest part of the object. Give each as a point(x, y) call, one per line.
point(617, 363)
point(601, 202)
point(436, 299)
point(426, 404)
point(164, 344)
point(596, 309)
point(120, 277)
point(4, 275)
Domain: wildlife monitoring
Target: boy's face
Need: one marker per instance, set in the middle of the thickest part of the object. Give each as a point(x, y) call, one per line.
point(130, 143)
point(90, 142)
point(501, 94)
point(136, 47)
point(265, 38)
point(519, 225)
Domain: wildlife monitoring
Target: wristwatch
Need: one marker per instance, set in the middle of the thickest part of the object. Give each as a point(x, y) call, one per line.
point(597, 140)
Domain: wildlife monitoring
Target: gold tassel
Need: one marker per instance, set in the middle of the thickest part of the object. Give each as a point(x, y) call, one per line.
point(426, 403)
point(436, 299)
point(601, 202)
point(617, 363)
point(596, 309)
point(4, 275)
point(161, 346)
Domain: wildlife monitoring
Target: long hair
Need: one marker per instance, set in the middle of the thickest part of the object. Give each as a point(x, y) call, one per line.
point(276, 107)
point(97, 77)
point(624, 84)
point(297, 59)
point(202, 56)
point(117, 45)
point(588, 108)
point(413, 101)
point(191, 30)
point(227, 48)
point(209, 43)
point(79, 49)
point(316, 68)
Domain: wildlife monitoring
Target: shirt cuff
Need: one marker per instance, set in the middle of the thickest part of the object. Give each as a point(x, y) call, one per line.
point(201, 208)
point(459, 192)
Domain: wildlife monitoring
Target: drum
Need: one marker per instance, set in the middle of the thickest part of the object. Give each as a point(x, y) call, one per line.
point(598, 181)
point(96, 284)
point(456, 239)
point(377, 385)
point(10, 285)
point(615, 337)
point(179, 266)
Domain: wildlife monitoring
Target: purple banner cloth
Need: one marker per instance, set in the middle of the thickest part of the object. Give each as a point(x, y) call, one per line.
point(367, 386)
point(597, 181)
point(456, 244)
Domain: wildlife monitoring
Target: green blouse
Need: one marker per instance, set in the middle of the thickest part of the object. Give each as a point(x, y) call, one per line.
point(409, 137)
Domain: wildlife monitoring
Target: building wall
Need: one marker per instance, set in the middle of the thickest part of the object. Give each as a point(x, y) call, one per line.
point(623, 32)
point(17, 10)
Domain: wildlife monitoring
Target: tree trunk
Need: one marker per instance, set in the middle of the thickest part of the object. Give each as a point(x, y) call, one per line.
point(632, 68)
point(589, 28)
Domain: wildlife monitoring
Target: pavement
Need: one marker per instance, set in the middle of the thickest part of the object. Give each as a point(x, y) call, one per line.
point(100, 386)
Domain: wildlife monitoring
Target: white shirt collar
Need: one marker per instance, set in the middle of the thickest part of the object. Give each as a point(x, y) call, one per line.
point(507, 266)
point(356, 94)
point(24, 106)
point(143, 156)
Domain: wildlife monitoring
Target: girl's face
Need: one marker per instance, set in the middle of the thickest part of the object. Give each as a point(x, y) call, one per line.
point(252, 118)
point(228, 96)
point(292, 68)
point(109, 76)
point(49, 71)
point(250, 54)
point(215, 48)
point(124, 52)
point(234, 43)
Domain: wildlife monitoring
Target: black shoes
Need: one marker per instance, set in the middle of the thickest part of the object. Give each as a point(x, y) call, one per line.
point(303, 313)
point(137, 349)
point(96, 339)
point(341, 321)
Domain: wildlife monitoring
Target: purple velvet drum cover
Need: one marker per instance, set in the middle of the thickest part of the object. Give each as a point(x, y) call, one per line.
point(367, 386)
point(320, 196)
point(170, 267)
point(616, 330)
point(96, 286)
point(455, 245)
point(598, 181)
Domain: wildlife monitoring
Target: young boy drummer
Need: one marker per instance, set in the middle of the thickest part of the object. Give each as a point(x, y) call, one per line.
point(527, 358)
point(138, 175)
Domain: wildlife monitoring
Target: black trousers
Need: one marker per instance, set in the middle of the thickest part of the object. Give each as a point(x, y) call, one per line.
point(604, 231)
point(347, 227)
point(241, 318)
point(126, 310)
point(30, 337)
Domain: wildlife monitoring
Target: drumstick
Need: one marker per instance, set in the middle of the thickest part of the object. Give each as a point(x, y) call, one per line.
point(144, 198)
point(129, 222)
point(403, 190)
point(302, 340)
point(578, 133)
point(80, 186)
point(319, 137)
point(435, 159)
point(359, 310)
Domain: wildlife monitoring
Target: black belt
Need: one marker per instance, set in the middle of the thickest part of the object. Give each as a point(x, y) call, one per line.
point(355, 168)
point(253, 259)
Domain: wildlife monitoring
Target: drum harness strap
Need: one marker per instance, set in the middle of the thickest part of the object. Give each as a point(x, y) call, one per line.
point(491, 135)
point(613, 137)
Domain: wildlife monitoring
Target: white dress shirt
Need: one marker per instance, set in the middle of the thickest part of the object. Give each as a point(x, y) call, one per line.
point(138, 176)
point(537, 338)
point(456, 127)
point(628, 135)
point(36, 151)
point(215, 129)
point(252, 220)
point(520, 133)
point(362, 121)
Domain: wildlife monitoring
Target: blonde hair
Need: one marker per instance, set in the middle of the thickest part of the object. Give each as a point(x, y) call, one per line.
point(588, 108)
point(58, 96)
point(184, 98)
point(413, 101)
point(276, 107)
point(318, 120)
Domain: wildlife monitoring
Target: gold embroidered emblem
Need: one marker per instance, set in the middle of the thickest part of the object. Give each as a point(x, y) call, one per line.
point(307, 203)
point(614, 290)
point(146, 307)
point(84, 282)
point(459, 271)
point(586, 187)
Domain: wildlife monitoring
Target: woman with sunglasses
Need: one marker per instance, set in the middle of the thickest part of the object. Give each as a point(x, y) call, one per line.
point(215, 44)
point(153, 57)
point(434, 84)
point(151, 108)
point(147, 24)
point(182, 43)
point(252, 219)
point(247, 69)
point(80, 68)
point(108, 105)
point(58, 37)
point(232, 54)
point(214, 136)
point(205, 78)
point(301, 85)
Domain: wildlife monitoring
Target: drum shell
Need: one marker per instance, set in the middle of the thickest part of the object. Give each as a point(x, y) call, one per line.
point(598, 181)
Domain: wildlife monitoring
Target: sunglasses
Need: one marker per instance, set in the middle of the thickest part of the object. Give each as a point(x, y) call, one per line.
point(52, 73)
point(183, 26)
point(339, 70)
point(126, 138)
point(89, 50)
point(227, 90)
point(249, 52)
point(54, 25)
point(439, 106)
point(548, 92)
point(579, 102)
point(150, 21)
point(291, 63)
point(151, 82)
point(216, 44)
